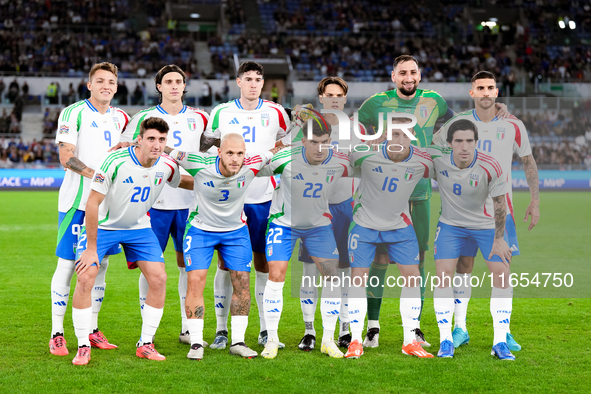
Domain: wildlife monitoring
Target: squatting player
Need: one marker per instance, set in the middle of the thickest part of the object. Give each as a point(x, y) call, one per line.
point(332, 95)
point(85, 131)
point(217, 222)
point(309, 174)
point(171, 210)
point(123, 190)
point(472, 188)
point(388, 178)
point(500, 138)
point(261, 123)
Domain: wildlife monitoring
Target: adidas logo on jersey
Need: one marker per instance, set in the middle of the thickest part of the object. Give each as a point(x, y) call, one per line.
point(299, 177)
point(234, 121)
point(128, 180)
point(444, 173)
point(210, 184)
point(93, 124)
point(378, 169)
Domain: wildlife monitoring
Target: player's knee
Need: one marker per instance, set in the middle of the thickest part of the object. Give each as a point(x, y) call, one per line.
point(465, 265)
point(85, 281)
point(157, 280)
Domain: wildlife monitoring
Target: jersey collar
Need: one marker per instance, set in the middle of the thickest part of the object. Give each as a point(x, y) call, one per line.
point(478, 119)
point(92, 107)
point(451, 156)
point(134, 158)
point(325, 160)
point(217, 165)
point(239, 105)
point(385, 152)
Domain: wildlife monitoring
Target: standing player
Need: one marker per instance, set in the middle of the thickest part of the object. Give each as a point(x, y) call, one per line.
point(261, 123)
point(427, 106)
point(388, 178)
point(501, 138)
point(123, 190)
point(309, 175)
point(218, 223)
point(85, 131)
point(332, 95)
point(472, 188)
point(170, 212)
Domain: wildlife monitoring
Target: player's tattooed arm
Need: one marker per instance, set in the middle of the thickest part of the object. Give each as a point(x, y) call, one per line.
point(500, 247)
point(278, 148)
point(240, 305)
point(69, 160)
point(533, 181)
point(167, 150)
point(208, 142)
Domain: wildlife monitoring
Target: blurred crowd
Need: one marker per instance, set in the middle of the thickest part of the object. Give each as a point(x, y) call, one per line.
point(14, 151)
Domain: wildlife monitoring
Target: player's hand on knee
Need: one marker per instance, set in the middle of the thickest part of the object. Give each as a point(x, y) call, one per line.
point(86, 260)
point(501, 249)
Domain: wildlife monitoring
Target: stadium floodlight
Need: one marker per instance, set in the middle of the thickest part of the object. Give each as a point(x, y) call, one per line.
point(490, 23)
point(195, 15)
point(572, 25)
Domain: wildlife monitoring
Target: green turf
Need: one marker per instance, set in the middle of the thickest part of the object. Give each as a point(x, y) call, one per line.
point(554, 332)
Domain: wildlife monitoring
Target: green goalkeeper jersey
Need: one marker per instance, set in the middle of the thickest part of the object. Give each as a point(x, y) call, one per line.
point(427, 106)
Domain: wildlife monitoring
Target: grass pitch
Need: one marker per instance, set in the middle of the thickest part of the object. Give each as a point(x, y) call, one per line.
point(554, 332)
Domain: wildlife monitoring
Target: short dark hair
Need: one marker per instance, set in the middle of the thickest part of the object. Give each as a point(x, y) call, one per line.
point(320, 126)
point(462, 124)
point(154, 123)
point(404, 58)
point(250, 66)
point(171, 68)
point(483, 75)
point(332, 81)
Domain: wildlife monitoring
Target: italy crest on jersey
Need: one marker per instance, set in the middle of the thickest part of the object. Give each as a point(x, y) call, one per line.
point(423, 112)
point(409, 173)
point(241, 181)
point(188, 261)
point(192, 124)
point(117, 123)
point(265, 119)
point(500, 133)
point(158, 178)
point(474, 180)
point(330, 175)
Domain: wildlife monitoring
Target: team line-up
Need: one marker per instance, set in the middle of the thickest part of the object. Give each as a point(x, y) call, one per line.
point(248, 181)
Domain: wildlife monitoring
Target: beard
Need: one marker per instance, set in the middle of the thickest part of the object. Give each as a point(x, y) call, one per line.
point(408, 92)
point(486, 104)
point(229, 170)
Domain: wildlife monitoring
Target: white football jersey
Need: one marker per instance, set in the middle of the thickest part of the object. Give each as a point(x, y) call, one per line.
point(382, 198)
point(499, 138)
point(131, 189)
point(301, 201)
point(185, 130)
point(346, 186)
point(261, 128)
point(219, 199)
point(93, 134)
point(466, 193)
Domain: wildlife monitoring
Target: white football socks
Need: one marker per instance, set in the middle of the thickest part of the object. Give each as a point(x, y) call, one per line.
point(222, 294)
point(182, 295)
point(60, 292)
point(462, 296)
point(143, 286)
point(195, 327)
point(81, 319)
point(98, 293)
point(150, 321)
point(330, 305)
point(239, 325)
point(443, 302)
point(260, 282)
point(357, 312)
point(501, 306)
point(273, 306)
point(344, 311)
point(410, 307)
point(309, 296)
